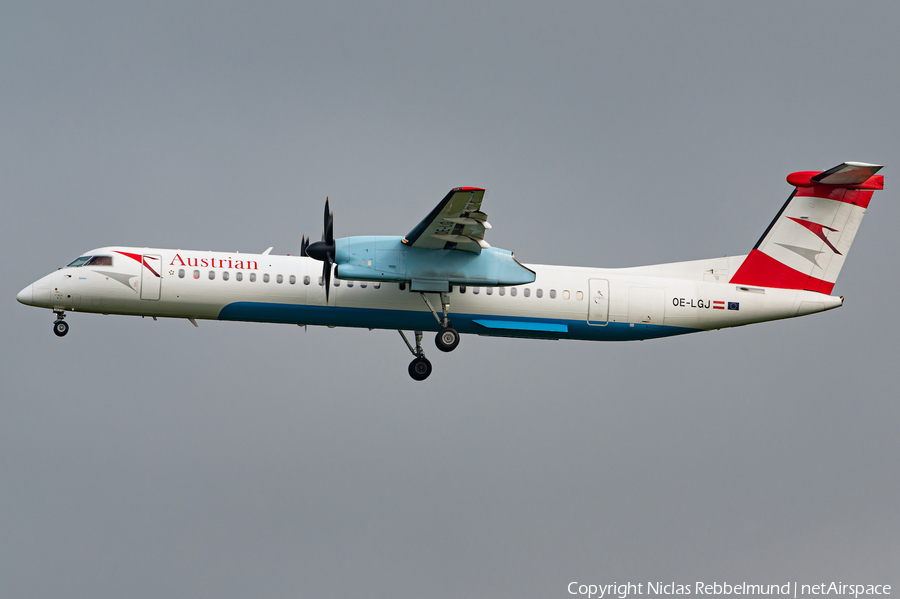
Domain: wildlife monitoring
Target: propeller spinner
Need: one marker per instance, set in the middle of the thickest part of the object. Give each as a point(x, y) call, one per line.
point(324, 250)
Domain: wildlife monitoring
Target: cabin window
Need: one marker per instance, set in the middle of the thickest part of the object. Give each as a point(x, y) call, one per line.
point(266, 278)
point(402, 286)
point(292, 280)
point(462, 288)
point(565, 294)
point(279, 279)
point(225, 275)
point(527, 292)
point(99, 261)
point(376, 285)
point(196, 274)
point(476, 290)
point(239, 276)
point(212, 275)
point(362, 285)
point(502, 291)
point(513, 291)
point(337, 282)
point(78, 261)
point(321, 282)
point(579, 296)
point(539, 293)
point(252, 277)
point(306, 280)
point(489, 290)
point(180, 273)
point(553, 294)
point(349, 283)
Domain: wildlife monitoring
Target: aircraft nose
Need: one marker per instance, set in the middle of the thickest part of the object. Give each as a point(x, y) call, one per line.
point(26, 296)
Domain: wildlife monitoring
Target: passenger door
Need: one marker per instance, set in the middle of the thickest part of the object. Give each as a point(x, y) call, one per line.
point(151, 281)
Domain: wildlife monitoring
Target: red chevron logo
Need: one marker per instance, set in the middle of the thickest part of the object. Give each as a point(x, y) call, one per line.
point(817, 230)
point(141, 260)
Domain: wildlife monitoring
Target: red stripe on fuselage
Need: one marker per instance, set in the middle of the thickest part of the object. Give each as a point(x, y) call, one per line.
point(150, 268)
point(139, 259)
point(763, 270)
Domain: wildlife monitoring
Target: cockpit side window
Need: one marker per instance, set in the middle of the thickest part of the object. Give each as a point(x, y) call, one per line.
point(79, 261)
point(99, 261)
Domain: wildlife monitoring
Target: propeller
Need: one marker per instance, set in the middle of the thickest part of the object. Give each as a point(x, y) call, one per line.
point(324, 250)
point(304, 243)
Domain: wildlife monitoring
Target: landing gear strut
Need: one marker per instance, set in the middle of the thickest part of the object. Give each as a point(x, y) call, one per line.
point(447, 338)
point(60, 327)
point(420, 367)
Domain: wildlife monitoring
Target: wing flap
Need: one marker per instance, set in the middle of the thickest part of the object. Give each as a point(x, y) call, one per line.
point(456, 223)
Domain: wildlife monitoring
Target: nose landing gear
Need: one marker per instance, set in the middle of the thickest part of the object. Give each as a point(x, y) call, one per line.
point(60, 326)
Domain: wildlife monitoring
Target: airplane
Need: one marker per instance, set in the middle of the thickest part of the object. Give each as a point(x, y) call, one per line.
point(411, 282)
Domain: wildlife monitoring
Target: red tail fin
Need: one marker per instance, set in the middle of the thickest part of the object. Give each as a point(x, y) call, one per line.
point(805, 246)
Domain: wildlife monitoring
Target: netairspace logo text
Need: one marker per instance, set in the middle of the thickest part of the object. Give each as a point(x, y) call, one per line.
point(792, 589)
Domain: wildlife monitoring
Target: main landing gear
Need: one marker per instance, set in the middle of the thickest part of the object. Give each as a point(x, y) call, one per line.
point(420, 367)
point(447, 338)
point(60, 326)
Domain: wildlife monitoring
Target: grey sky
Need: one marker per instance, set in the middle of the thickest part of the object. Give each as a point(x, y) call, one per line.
point(150, 459)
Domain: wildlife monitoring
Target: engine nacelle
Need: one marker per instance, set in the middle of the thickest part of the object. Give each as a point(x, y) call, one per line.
point(381, 258)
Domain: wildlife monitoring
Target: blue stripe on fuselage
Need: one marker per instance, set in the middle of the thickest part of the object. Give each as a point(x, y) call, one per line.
point(375, 318)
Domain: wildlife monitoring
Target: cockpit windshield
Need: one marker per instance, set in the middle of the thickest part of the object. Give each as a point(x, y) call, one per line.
point(91, 261)
point(79, 261)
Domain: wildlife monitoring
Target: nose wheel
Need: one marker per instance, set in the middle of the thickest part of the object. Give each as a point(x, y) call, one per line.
point(420, 367)
point(60, 326)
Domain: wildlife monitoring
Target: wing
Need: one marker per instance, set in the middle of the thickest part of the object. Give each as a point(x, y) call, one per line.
point(456, 223)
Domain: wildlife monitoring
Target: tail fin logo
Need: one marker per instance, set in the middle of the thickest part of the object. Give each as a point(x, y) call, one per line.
point(817, 230)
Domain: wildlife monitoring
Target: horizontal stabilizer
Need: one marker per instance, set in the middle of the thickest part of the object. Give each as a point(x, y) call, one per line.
point(849, 175)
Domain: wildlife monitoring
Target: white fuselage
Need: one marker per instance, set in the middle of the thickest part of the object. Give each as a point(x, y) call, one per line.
point(562, 303)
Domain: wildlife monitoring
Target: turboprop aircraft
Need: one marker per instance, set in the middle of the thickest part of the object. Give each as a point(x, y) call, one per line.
point(444, 277)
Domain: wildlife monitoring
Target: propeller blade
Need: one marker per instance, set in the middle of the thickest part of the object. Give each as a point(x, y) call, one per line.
point(326, 274)
point(329, 231)
point(328, 218)
point(323, 250)
point(304, 243)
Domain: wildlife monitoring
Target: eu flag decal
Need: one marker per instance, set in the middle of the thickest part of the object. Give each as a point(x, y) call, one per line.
point(734, 305)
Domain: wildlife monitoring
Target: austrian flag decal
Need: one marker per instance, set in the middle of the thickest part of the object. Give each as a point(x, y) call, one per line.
point(720, 305)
